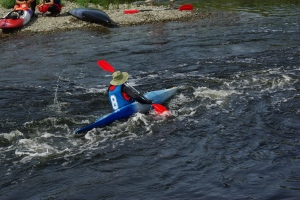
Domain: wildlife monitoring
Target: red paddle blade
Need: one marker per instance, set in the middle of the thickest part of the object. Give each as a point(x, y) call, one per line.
point(105, 66)
point(186, 7)
point(131, 11)
point(159, 109)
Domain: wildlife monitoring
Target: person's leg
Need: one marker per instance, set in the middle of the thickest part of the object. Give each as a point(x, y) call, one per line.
point(33, 5)
point(53, 9)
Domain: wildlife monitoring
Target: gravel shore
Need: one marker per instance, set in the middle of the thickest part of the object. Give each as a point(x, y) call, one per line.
point(65, 21)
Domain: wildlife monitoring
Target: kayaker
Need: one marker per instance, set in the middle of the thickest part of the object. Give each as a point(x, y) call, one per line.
point(22, 4)
point(121, 94)
point(52, 6)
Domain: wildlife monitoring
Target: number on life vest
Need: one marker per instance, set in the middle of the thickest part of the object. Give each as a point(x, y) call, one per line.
point(114, 102)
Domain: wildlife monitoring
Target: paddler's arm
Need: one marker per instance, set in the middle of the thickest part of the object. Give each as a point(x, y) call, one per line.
point(138, 97)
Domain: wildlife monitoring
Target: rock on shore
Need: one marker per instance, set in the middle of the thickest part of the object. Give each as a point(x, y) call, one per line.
point(65, 21)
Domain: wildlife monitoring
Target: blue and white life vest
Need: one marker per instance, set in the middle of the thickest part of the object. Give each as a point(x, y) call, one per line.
point(117, 98)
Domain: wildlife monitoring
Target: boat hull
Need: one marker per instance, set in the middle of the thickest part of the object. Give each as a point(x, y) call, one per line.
point(157, 97)
point(92, 15)
point(9, 23)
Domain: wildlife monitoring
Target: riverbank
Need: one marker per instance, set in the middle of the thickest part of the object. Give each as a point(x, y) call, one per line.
point(65, 21)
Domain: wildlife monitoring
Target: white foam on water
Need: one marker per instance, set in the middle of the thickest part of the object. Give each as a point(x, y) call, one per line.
point(153, 76)
point(180, 108)
point(179, 100)
point(205, 92)
point(10, 136)
point(102, 89)
point(118, 132)
point(32, 148)
point(48, 135)
point(282, 81)
point(139, 118)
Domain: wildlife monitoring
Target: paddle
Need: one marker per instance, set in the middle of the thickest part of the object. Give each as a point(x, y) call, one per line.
point(181, 8)
point(159, 109)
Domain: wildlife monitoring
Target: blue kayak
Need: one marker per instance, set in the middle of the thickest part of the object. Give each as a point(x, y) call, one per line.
point(158, 97)
point(92, 15)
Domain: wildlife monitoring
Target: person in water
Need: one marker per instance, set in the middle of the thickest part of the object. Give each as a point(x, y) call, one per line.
point(52, 6)
point(121, 94)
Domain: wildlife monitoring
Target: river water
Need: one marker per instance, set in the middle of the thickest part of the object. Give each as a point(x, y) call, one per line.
point(234, 133)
